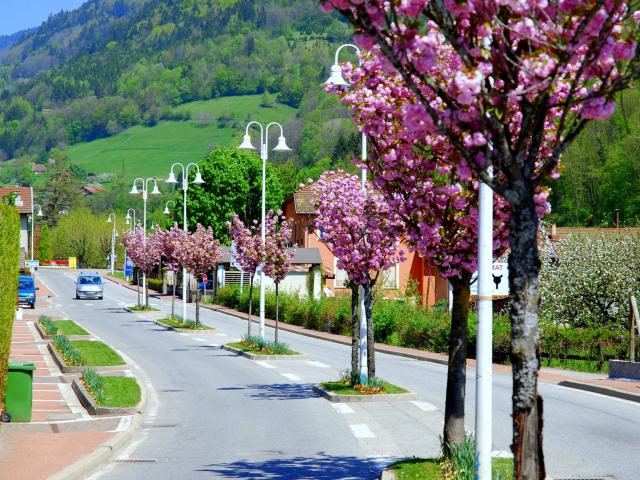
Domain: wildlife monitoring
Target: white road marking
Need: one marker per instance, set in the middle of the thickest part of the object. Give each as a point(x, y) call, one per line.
point(342, 408)
point(58, 305)
point(424, 406)
point(264, 364)
point(200, 339)
point(183, 334)
point(361, 430)
point(123, 424)
point(315, 363)
point(221, 334)
point(292, 377)
point(90, 305)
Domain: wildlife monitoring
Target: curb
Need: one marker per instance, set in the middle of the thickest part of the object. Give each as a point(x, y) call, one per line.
point(608, 391)
point(252, 356)
point(41, 331)
point(184, 330)
point(93, 408)
point(384, 397)
point(387, 475)
point(64, 368)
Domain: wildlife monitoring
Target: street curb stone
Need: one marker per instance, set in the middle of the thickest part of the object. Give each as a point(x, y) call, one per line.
point(252, 356)
point(93, 408)
point(383, 397)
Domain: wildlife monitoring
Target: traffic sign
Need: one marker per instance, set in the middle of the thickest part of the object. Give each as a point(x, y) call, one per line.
point(32, 263)
point(128, 269)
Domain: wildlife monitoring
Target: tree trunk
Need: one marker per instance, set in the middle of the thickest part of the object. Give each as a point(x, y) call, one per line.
point(173, 299)
point(355, 334)
point(138, 282)
point(197, 307)
point(524, 267)
point(453, 433)
point(250, 302)
point(371, 350)
point(277, 312)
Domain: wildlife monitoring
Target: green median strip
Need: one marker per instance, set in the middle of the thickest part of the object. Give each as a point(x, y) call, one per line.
point(142, 308)
point(438, 469)
point(112, 391)
point(342, 388)
point(257, 346)
point(176, 322)
point(96, 354)
point(69, 327)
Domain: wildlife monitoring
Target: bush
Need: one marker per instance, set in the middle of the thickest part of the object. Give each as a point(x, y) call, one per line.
point(48, 325)
point(68, 352)
point(94, 384)
point(155, 284)
point(9, 254)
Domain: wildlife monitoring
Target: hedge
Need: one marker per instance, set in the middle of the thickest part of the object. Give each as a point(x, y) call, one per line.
point(399, 322)
point(9, 258)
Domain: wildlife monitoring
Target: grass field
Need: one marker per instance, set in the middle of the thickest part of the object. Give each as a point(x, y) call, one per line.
point(147, 151)
point(97, 353)
point(69, 327)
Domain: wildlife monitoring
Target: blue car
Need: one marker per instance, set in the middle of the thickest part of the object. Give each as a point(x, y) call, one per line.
point(26, 292)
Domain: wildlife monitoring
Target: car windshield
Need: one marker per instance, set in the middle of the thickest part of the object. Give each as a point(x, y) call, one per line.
point(89, 281)
point(26, 284)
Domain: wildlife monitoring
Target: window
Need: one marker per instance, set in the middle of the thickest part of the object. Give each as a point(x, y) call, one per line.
point(18, 200)
point(341, 278)
point(391, 277)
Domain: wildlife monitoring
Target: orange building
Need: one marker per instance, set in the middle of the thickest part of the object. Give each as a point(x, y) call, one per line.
point(430, 285)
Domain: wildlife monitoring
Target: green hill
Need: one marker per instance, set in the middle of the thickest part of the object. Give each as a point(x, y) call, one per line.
point(150, 151)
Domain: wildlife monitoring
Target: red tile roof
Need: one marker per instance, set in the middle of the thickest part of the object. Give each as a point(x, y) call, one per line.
point(91, 189)
point(23, 203)
point(38, 168)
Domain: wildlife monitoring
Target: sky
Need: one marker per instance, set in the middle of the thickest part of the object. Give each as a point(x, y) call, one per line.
point(16, 15)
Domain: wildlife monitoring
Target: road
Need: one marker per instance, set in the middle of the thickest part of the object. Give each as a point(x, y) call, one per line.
point(212, 414)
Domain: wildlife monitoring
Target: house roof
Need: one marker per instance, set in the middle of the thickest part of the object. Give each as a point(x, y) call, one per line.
point(24, 203)
point(302, 256)
point(91, 189)
point(562, 232)
point(38, 168)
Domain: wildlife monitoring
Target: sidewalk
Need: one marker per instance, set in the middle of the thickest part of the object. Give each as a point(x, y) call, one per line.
point(597, 383)
point(61, 436)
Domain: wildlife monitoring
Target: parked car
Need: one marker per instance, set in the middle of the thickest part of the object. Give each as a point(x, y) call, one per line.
point(89, 285)
point(26, 291)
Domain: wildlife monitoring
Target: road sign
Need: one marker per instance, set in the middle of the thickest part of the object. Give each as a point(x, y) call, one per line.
point(500, 275)
point(128, 269)
point(233, 253)
point(73, 263)
point(32, 263)
point(204, 278)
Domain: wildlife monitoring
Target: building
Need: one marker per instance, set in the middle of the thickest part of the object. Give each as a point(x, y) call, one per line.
point(23, 199)
point(428, 283)
point(91, 189)
point(38, 169)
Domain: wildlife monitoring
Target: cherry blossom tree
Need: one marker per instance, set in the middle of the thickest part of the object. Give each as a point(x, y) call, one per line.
point(171, 240)
point(198, 252)
point(509, 84)
point(249, 253)
point(145, 254)
point(277, 257)
point(363, 233)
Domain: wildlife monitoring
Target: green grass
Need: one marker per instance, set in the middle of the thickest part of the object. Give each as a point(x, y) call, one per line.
point(142, 308)
point(344, 389)
point(176, 322)
point(577, 365)
point(150, 151)
point(120, 392)
point(429, 469)
point(256, 351)
point(69, 327)
point(97, 353)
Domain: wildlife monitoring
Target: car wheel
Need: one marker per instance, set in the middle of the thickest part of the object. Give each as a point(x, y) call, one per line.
point(5, 418)
point(33, 306)
point(77, 297)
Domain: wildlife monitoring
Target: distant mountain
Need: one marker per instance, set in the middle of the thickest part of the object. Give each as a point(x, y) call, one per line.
point(111, 64)
point(7, 41)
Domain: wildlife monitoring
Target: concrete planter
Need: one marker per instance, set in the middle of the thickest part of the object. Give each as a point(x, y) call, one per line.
point(92, 407)
point(253, 356)
point(183, 330)
point(624, 369)
point(64, 368)
point(382, 397)
point(41, 331)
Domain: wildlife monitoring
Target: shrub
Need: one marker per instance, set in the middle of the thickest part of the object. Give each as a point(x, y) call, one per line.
point(68, 352)
point(271, 348)
point(9, 254)
point(155, 284)
point(94, 384)
point(48, 325)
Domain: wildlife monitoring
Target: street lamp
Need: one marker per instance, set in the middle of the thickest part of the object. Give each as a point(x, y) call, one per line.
point(166, 207)
point(337, 79)
point(185, 186)
point(33, 221)
point(264, 152)
point(128, 221)
point(113, 240)
point(145, 189)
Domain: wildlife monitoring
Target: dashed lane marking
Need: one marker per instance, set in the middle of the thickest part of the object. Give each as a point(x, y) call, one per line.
point(200, 339)
point(361, 430)
point(424, 406)
point(292, 377)
point(315, 363)
point(264, 364)
point(221, 334)
point(342, 408)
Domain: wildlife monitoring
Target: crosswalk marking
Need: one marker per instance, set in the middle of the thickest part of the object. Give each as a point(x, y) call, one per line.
point(315, 363)
point(342, 408)
point(291, 377)
point(424, 406)
point(264, 364)
point(361, 430)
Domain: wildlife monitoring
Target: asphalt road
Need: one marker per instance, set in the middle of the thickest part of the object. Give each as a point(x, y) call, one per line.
point(212, 414)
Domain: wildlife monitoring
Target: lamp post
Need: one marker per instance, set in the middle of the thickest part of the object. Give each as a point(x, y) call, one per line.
point(185, 186)
point(166, 207)
point(145, 189)
point(33, 221)
point(113, 240)
point(128, 221)
point(337, 79)
point(264, 153)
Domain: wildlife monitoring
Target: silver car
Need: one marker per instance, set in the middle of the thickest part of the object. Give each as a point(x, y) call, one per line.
point(89, 285)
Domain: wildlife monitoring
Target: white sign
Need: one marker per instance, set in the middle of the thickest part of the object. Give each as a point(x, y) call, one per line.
point(233, 262)
point(500, 276)
point(32, 263)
